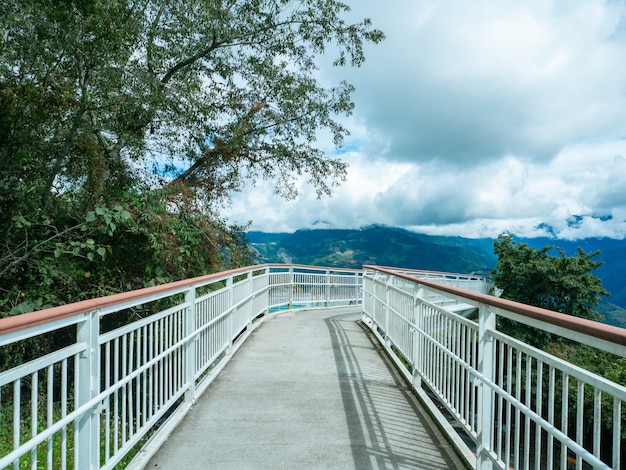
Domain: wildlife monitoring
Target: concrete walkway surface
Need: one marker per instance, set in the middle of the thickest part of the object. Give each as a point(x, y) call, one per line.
point(308, 390)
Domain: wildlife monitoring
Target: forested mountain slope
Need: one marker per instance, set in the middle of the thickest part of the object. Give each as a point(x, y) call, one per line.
point(387, 246)
point(373, 245)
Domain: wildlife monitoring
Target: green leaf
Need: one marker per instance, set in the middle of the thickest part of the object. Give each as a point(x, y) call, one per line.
point(25, 307)
point(21, 222)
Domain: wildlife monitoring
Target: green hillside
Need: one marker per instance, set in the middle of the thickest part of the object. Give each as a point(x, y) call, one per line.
point(613, 315)
point(374, 245)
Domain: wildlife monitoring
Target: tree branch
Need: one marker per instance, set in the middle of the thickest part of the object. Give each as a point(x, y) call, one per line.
point(35, 249)
point(236, 41)
point(189, 61)
point(151, 36)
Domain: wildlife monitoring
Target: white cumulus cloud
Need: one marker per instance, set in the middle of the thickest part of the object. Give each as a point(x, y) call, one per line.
point(474, 118)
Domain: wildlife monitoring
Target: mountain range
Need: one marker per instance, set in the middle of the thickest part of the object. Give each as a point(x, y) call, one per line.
point(389, 246)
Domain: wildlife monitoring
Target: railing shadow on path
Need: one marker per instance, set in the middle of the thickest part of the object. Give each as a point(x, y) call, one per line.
point(388, 427)
point(309, 389)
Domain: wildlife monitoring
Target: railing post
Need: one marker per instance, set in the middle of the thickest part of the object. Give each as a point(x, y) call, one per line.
point(87, 445)
point(268, 290)
point(486, 418)
point(190, 345)
point(327, 290)
point(418, 350)
point(291, 288)
point(387, 301)
point(229, 319)
point(367, 307)
point(250, 303)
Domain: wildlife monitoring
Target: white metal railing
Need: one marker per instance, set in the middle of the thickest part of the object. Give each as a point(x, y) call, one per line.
point(109, 383)
point(522, 407)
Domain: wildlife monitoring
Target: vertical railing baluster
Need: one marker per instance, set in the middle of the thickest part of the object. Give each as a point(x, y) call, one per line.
point(17, 421)
point(161, 362)
point(469, 383)
point(190, 345)
point(461, 390)
point(528, 398)
point(564, 413)
point(138, 398)
point(161, 371)
point(34, 425)
point(49, 413)
point(443, 357)
point(580, 412)
point(551, 399)
point(144, 380)
point(64, 393)
point(178, 377)
point(124, 419)
point(440, 373)
point(509, 411)
point(474, 396)
point(499, 425)
point(458, 369)
point(107, 414)
point(617, 433)
point(169, 341)
point(518, 393)
point(539, 400)
point(129, 385)
point(597, 421)
point(152, 371)
point(486, 323)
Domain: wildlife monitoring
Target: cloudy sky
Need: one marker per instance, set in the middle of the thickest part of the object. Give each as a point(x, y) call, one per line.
point(475, 118)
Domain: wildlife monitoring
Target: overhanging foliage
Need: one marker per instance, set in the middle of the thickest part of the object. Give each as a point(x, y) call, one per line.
point(125, 125)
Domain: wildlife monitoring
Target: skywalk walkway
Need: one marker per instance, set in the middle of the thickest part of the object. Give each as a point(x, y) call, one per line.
point(308, 389)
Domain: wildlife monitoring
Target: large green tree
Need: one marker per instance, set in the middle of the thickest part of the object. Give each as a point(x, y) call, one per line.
point(560, 283)
point(126, 124)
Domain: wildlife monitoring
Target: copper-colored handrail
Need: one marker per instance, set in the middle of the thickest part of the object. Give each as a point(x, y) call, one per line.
point(599, 330)
point(426, 271)
point(41, 317)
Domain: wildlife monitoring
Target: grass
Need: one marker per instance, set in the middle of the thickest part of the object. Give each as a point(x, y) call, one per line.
point(60, 444)
point(55, 443)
